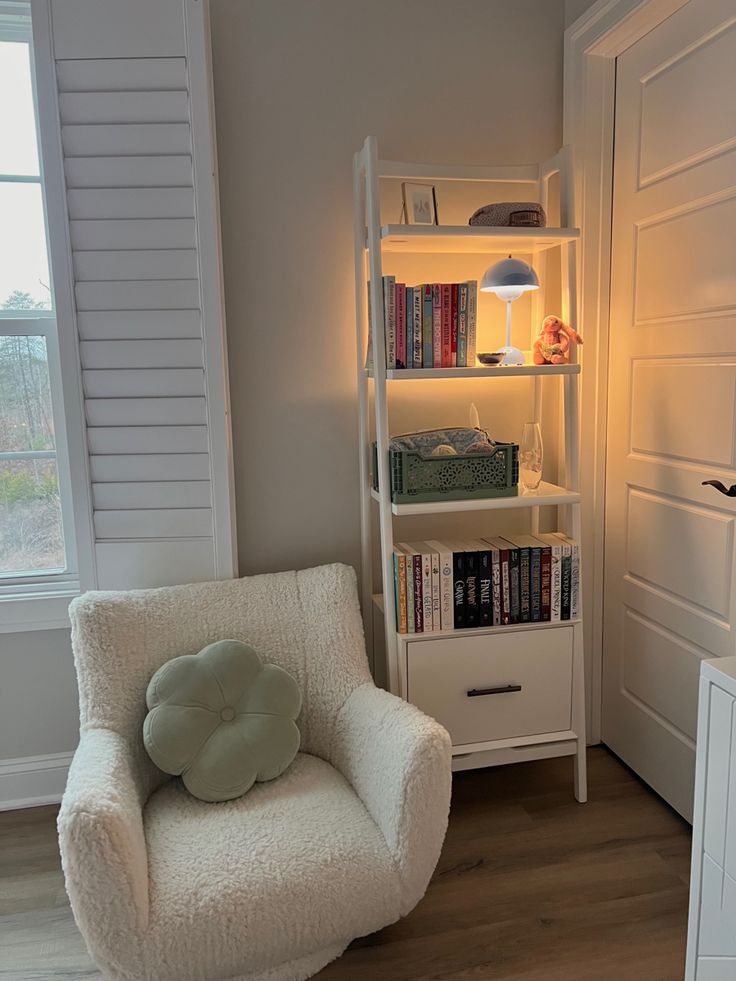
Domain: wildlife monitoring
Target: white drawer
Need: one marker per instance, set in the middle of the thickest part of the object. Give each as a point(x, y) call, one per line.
point(441, 673)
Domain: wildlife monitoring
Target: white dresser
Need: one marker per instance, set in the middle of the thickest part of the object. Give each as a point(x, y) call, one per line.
point(711, 946)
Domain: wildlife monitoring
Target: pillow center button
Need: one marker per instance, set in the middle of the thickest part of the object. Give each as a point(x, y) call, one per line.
point(227, 714)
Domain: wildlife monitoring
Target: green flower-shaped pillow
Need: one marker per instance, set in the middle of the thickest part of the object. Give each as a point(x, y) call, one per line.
point(222, 720)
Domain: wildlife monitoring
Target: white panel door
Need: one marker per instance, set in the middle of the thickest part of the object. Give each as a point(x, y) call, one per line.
point(669, 563)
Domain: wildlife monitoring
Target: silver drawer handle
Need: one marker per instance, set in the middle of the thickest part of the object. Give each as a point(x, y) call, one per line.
point(500, 690)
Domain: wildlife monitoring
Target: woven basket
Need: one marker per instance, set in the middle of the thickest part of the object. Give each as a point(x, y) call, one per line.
point(508, 214)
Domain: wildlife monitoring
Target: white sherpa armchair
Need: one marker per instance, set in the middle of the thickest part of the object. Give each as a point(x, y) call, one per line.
point(274, 885)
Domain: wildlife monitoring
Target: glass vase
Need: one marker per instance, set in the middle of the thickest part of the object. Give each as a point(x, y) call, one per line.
point(531, 455)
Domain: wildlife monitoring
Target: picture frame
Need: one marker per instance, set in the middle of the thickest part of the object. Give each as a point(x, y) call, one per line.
point(418, 204)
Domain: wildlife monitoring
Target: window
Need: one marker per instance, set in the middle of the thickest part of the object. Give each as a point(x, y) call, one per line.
point(36, 544)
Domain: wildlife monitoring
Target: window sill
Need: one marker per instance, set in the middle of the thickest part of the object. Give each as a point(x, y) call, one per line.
point(38, 609)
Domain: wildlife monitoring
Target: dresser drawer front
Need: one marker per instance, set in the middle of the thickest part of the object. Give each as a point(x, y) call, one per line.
point(717, 912)
point(522, 683)
point(719, 834)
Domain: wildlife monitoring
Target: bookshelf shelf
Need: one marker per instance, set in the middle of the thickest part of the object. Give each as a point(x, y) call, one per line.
point(475, 239)
point(477, 631)
point(511, 371)
point(546, 494)
point(533, 670)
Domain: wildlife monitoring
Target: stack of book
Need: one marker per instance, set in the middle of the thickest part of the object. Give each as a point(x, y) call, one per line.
point(486, 582)
point(429, 326)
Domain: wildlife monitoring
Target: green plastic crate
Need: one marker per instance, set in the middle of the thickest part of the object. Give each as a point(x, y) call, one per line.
point(416, 478)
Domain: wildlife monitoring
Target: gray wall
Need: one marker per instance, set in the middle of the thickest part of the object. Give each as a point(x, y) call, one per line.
point(298, 85)
point(38, 694)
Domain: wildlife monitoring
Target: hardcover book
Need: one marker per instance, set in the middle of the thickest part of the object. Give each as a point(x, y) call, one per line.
point(400, 584)
point(427, 600)
point(504, 578)
point(555, 554)
point(520, 545)
point(458, 581)
point(446, 354)
point(462, 325)
point(566, 581)
point(409, 325)
point(436, 325)
point(472, 608)
point(472, 317)
point(453, 328)
point(389, 319)
point(485, 583)
point(444, 551)
point(418, 308)
point(409, 564)
point(427, 328)
point(400, 325)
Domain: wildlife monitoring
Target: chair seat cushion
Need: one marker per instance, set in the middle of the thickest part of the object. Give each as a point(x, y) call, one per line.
point(294, 867)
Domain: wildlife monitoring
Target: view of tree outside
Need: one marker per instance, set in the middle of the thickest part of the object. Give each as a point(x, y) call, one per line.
point(31, 538)
point(30, 511)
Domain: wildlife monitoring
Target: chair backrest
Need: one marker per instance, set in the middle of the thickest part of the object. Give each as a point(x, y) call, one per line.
point(307, 622)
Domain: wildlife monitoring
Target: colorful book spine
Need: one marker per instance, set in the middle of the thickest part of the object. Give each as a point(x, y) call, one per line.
point(453, 328)
point(400, 579)
point(546, 582)
point(472, 607)
point(446, 352)
point(485, 586)
point(436, 325)
point(417, 311)
point(575, 581)
point(514, 573)
point(401, 325)
point(524, 586)
point(418, 604)
point(505, 560)
point(409, 325)
point(462, 325)
point(389, 319)
point(555, 548)
point(574, 574)
point(427, 328)
point(496, 584)
point(427, 592)
point(566, 581)
point(458, 589)
point(446, 602)
point(408, 562)
point(535, 582)
point(436, 596)
point(472, 323)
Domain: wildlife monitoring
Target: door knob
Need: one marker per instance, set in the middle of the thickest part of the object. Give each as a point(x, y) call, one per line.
point(728, 491)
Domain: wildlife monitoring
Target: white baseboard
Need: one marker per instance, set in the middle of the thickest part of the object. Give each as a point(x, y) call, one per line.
point(33, 780)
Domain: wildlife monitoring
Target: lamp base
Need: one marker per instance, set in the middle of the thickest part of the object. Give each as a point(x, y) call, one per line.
point(511, 355)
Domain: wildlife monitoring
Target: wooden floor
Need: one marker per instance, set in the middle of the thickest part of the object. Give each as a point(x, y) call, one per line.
point(531, 886)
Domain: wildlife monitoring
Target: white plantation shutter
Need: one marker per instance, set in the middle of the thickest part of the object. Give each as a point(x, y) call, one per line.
point(134, 126)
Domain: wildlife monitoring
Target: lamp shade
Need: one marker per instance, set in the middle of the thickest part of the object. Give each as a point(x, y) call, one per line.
point(509, 278)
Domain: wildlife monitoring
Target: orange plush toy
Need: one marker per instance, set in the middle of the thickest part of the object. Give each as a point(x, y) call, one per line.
point(553, 344)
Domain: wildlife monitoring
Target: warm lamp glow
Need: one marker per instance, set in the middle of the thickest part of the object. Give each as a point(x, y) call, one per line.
point(508, 279)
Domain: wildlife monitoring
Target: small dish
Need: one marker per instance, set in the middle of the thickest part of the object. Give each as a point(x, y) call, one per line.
point(490, 358)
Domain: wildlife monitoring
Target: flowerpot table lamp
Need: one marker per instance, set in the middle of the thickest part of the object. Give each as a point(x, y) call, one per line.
point(508, 279)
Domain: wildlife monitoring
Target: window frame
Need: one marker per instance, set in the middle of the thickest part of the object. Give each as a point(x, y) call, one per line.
point(38, 600)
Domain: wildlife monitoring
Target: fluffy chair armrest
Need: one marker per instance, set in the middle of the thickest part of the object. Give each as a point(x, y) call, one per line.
point(398, 762)
point(103, 850)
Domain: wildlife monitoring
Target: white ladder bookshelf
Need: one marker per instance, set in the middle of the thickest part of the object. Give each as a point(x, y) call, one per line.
point(437, 670)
